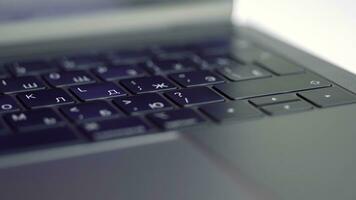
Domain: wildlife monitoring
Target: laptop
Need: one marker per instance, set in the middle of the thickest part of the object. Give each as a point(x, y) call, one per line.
point(166, 99)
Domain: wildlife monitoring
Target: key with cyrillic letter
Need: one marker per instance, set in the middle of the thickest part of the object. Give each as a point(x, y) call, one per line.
point(45, 98)
point(97, 91)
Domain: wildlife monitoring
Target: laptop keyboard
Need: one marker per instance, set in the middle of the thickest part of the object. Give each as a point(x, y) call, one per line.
point(117, 94)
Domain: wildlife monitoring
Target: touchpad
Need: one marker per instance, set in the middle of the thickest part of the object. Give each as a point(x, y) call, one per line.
point(309, 155)
point(173, 170)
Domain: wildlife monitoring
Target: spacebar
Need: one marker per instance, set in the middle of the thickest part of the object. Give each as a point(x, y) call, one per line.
point(274, 85)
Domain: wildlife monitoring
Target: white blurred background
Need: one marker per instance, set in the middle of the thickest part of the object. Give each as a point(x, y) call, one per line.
point(326, 28)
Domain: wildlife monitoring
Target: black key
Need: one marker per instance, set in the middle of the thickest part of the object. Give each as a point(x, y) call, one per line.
point(243, 72)
point(242, 44)
point(81, 62)
point(89, 111)
point(142, 103)
point(212, 53)
point(45, 98)
point(196, 78)
point(213, 46)
point(194, 96)
point(58, 79)
point(131, 56)
point(20, 84)
point(216, 61)
point(278, 65)
point(38, 138)
point(290, 107)
point(97, 91)
point(3, 130)
point(247, 53)
point(119, 72)
point(30, 67)
point(174, 51)
point(171, 65)
point(115, 128)
point(271, 86)
point(33, 119)
point(147, 84)
point(219, 48)
point(327, 97)
point(231, 110)
point(3, 71)
point(275, 99)
point(175, 118)
point(8, 104)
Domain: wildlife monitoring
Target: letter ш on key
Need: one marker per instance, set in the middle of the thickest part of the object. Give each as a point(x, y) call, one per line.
point(30, 85)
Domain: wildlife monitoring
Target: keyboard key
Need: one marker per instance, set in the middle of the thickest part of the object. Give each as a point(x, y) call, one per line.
point(3, 72)
point(115, 128)
point(175, 118)
point(33, 119)
point(45, 98)
point(147, 84)
point(194, 96)
point(243, 72)
point(142, 103)
point(58, 79)
point(216, 61)
point(20, 84)
point(3, 130)
point(327, 97)
point(224, 49)
point(97, 91)
point(90, 111)
point(128, 57)
point(242, 43)
point(8, 104)
point(174, 51)
point(290, 107)
point(196, 78)
point(213, 46)
point(275, 99)
point(278, 65)
point(38, 138)
point(30, 67)
point(247, 53)
point(223, 53)
point(271, 86)
point(230, 110)
point(81, 62)
point(171, 65)
point(119, 72)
